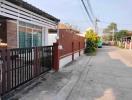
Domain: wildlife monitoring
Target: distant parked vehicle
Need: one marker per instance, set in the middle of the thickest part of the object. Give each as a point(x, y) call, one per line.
point(100, 43)
point(106, 43)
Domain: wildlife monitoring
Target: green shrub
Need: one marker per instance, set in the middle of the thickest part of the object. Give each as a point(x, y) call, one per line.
point(90, 46)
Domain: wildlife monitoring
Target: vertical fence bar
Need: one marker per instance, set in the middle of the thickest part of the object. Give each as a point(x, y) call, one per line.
point(3, 55)
point(35, 62)
point(8, 70)
point(14, 57)
point(18, 67)
point(1, 61)
point(12, 70)
point(21, 65)
point(32, 62)
point(25, 65)
point(39, 61)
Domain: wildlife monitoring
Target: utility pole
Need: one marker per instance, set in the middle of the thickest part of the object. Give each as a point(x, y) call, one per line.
point(113, 33)
point(96, 25)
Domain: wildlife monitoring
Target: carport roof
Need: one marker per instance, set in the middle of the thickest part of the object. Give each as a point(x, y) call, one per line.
point(34, 9)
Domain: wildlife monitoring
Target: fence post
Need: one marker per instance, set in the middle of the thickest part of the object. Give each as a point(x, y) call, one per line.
point(55, 57)
point(79, 50)
point(72, 51)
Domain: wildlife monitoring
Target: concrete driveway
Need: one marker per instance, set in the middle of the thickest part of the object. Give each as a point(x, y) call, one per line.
point(106, 76)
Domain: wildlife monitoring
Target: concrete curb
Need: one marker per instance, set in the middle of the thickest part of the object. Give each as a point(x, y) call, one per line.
point(63, 94)
point(66, 90)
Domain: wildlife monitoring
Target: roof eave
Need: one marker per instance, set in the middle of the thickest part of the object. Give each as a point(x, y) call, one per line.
point(34, 9)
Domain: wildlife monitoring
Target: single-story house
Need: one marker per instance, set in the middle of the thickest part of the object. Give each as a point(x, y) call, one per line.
point(23, 25)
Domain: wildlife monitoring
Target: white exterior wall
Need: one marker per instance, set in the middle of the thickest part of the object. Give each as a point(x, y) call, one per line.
point(18, 13)
point(65, 61)
point(68, 59)
point(82, 52)
point(13, 11)
point(46, 36)
point(51, 38)
point(76, 55)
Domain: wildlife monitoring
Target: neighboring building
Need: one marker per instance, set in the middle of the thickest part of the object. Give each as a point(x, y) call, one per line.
point(23, 25)
point(71, 43)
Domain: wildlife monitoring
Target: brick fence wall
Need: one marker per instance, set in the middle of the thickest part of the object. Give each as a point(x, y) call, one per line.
point(70, 42)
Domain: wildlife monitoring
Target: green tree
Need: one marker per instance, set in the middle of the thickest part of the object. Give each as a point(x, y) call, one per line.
point(119, 35)
point(91, 35)
point(91, 40)
point(110, 28)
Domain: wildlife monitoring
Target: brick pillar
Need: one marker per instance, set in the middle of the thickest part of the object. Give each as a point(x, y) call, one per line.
point(55, 57)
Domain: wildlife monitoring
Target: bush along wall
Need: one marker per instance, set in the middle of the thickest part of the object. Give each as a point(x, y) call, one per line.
point(90, 46)
point(91, 41)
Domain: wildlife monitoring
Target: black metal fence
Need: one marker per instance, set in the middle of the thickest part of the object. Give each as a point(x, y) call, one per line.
point(18, 66)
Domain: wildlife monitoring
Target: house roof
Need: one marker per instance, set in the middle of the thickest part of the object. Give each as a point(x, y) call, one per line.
point(130, 33)
point(34, 9)
point(67, 27)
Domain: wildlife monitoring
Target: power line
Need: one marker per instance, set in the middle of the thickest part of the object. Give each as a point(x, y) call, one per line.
point(90, 11)
point(87, 12)
point(90, 8)
point(83, 12)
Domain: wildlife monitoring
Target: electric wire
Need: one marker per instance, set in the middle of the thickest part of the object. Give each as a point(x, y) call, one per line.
point(89, 15)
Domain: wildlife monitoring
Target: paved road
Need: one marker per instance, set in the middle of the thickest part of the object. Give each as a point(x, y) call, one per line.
point(106, 76)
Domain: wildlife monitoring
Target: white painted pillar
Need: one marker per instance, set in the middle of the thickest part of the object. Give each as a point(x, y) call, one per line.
point(46, 36)
point(130, 46)
point(43, 36)
point(125, 45)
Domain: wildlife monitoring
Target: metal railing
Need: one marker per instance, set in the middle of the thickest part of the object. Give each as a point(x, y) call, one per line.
point(18, 66)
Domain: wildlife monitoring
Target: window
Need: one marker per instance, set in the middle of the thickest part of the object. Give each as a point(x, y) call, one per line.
point(37, 38)
point(22, 37)
point(29, 36)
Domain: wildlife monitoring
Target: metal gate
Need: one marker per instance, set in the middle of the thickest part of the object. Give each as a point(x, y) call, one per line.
point(18, 66)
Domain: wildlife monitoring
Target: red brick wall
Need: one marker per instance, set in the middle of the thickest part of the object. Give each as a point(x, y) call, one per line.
point(11, 35)
point(3, 32)
point(67, 37)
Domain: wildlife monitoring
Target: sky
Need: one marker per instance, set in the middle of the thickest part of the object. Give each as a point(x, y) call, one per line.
point(72, 12)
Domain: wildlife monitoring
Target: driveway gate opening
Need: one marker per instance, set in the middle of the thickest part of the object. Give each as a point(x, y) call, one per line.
point(18, 66)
